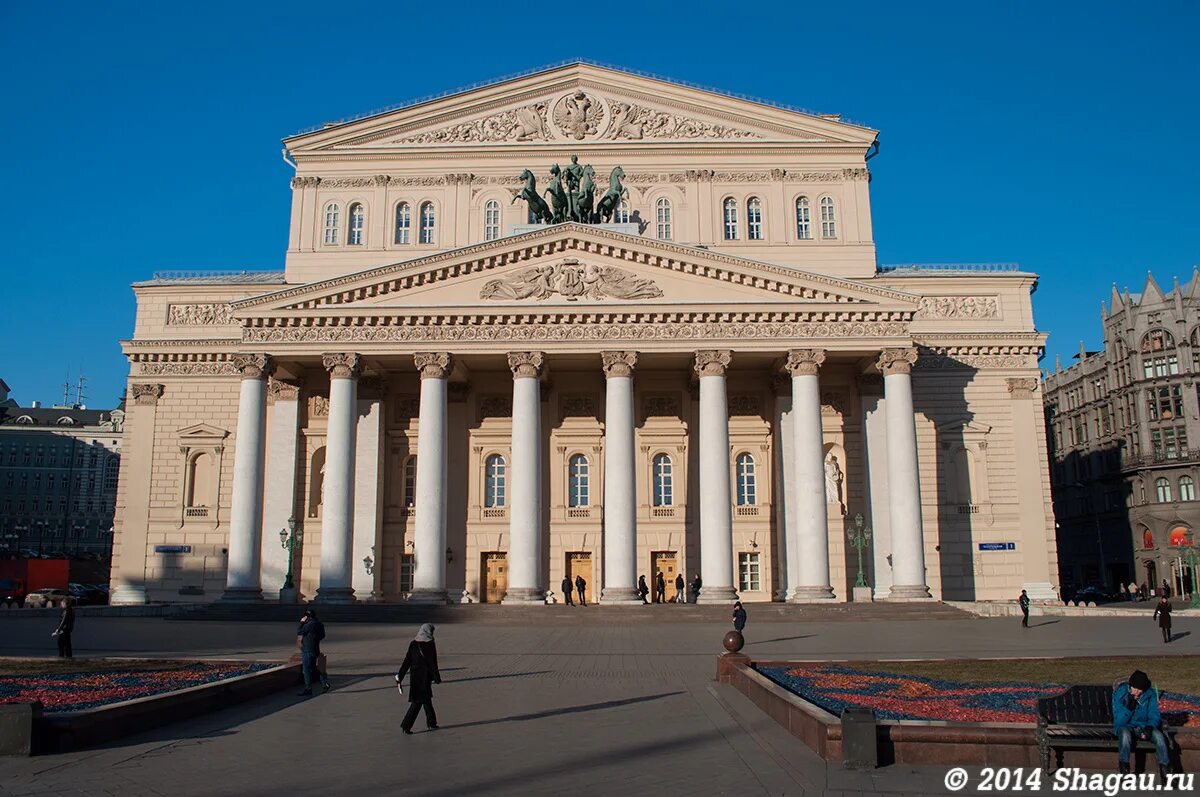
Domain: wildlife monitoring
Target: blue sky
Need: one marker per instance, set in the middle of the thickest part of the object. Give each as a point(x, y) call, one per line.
point(144, 136)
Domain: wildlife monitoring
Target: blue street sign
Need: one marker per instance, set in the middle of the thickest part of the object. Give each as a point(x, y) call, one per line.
point(997, 546)
point(172, 549)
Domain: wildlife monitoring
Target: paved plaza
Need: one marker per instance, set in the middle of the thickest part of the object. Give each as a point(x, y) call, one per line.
point(527, 706)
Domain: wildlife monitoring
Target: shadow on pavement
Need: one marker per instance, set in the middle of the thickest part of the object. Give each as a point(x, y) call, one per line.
point(568, 710)
point(779, 639)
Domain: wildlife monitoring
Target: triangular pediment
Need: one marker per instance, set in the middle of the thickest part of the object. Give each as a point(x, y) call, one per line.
point(572, 267)
point(201, 432)
point(579, 104)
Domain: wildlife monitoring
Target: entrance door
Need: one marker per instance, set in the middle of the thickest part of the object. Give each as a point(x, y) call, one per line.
point(667, 562)
point(495, 577)
point(579, 563)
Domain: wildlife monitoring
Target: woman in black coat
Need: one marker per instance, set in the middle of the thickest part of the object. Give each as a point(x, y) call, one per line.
point(421, 661)
point(1162, 613)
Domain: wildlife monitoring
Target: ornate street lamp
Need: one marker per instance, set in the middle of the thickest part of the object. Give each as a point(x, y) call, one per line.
point(290, 538)
point(860, 537)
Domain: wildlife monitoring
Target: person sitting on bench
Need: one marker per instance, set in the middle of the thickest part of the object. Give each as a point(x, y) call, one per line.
point(1136, 715)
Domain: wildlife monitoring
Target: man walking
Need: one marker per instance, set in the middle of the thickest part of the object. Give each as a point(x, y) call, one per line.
point(1023, 602)
point(308, 639)
point(643, 590)
point(696, 588)
point(660, 588)
point(680, 596)
point(567, 589)
point(581, 587)
point(65, 626)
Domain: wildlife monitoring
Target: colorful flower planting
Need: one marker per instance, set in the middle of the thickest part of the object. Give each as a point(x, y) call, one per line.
point(909, 697)
point(82, 690)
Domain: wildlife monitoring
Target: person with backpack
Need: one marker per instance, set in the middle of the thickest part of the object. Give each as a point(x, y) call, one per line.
point(421, 662)
point(308, 639)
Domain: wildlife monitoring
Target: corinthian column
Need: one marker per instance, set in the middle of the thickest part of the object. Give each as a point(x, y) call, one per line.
point(620, 470)
point(808, 467)
point(245, 518)
point(429, 580)
point(337, 521)
point(716, 511)
point(524, 512)
point(904, 486)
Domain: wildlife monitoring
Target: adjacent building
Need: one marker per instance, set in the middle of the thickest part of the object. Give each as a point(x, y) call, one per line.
point(583, 322)
point(1123, 472)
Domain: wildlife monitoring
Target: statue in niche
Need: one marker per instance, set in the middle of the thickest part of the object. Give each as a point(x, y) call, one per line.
point(833, 481)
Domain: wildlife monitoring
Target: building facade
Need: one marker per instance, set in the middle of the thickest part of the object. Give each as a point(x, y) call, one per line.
point(450, 402)
point(1123, 474)
point(58, 479)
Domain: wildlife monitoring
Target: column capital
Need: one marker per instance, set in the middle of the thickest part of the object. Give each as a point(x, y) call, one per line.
point(433, 364)
point(804, 362)
point(712, 362)
point(279, 390)
point(146, 394)
point(897, 361)
point(253, 366)
point(618, 363)
point(342, 365)
point(526, 364)
point(1022, 387)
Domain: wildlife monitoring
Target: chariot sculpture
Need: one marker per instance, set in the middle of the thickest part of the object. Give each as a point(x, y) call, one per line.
point(572, 193)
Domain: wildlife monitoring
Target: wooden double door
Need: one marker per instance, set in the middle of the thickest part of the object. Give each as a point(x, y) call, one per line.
point(493, 576)
point(579, 563)
point(666, 562)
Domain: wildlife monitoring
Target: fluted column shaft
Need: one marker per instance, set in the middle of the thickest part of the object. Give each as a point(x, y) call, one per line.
point(808, 467)
point(904, 486)
point(429, 580)
point(524, 493)
point(242, 577)
point(337, 519)
point(716, 510)
point(620, 471)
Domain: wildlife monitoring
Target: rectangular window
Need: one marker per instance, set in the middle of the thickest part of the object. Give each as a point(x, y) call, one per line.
point(748, 572)
point(407, 568)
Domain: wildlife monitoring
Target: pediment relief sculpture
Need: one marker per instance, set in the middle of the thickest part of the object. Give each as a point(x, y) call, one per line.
point(571, 280)
point(527, 123)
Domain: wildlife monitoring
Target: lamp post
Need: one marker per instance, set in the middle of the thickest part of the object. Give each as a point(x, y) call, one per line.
point(860, 537)
point(290, 538)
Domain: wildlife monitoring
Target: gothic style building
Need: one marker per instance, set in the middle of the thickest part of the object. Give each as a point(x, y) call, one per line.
point(690, 363)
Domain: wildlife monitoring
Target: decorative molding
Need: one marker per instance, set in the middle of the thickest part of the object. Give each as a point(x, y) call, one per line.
point(341, 365)
point(804, 362)
point(958, 307)
point(208, 314)
point(661, 406)
point(526, 364)
point(781, 384)
point(1022, 387)
point(433, 365)
point(571, 280)
point(618, 363)
point(527, 123)
point(407, 407)
point(495, 407)
point(305, 182)
point(189, 368)
point(712, 362)
point(578, 406)
point(745, 404)
point(146, 394)
point(995, 356)
point(635, 122)
point(318, 406)
point(897, 361)
point(253, 366)
point(278, 390)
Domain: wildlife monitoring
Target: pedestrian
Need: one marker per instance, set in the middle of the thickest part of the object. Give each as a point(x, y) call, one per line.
point(567, 589)
point(660, 588)
point(1165, 590)
point(1132, 592)
point(308, 639)
point(421, 662)
point(1136, 715)
point(1023, 602)
point(1145, 591)
point(739, 616)
point(581, 587)
point(643, 590)
point(66, 625)
point(680, 596)
point(1162, 613)
point(696, 588)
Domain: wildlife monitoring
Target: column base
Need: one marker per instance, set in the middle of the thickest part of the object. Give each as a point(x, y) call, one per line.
point(620, 596)
point(1041, 591)
point(428, 597)
point(335, 595)
point(909, 593)
point(717, 595)
point(128, 595)
point(811, 594)
point(241, 595)
point(524, 596)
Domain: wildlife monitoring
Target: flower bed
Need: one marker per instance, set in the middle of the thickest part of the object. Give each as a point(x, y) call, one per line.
point(75, 691)
point(911, 697)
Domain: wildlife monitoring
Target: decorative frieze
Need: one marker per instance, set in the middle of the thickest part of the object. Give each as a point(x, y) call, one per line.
point(618, 363)
point(495, 407)
point(527, 123)
point(305, 182)
point(571, 280)
point(957, 307)
point(578, 406)
point(526, 364)
point(745, 404)
point(433, 365)
point(146, 394)
point(897, 361)
point(278, 390)
point(207, 314)
point(661, 406)
point(253, 366)
point(635, 122)
point(406, 408)
point(188, 368)
point(318, 406)
point(341, 365)
point(712, 362)
point(804, 362)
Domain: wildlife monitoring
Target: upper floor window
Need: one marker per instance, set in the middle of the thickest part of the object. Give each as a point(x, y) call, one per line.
point(747, 486)
point(410, 482)
point(491, 220)
point(730, 217)
point(494, 481)
point(578, 478)
point(828, 218)
point(1187, 489)
point(358, 223)
point(664, 481)
point(1162, 490)
point(621, 214)
point(754, 222)
point(403, 223)
point(428, 222)
point(803, 219)
point(1157, 340)
point(662, 218)
point(332, 223)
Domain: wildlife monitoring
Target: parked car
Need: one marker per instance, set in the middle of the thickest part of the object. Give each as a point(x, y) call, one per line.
point(87, 594)
point(1093, 594)
point(12, 593)
point(46, 598)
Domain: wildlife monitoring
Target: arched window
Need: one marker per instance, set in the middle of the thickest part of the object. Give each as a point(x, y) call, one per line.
point(664, 481)
point(828, 218)
point(494, 481)
point(1157, 340)
point(199, 480)
point(1147, 538)
point(1187, 489)
point(403, 223)
point(410, 482)
point(578, 481)
point(1162, 490)
point(427, 223)
point(754, 224)
point(358, 223)
point(621, 214)
point(1158, 354)
point(731, 220)
point(747, 487)
point(1141, 491)
point(803, 219)
point(1179, 537)
point(662, 216)
point(332, 222)
point(491, 220)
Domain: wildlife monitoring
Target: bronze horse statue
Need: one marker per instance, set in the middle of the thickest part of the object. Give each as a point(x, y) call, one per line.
point(558, 196)
point(539, 211)
point(587, 195)
point(607, 205)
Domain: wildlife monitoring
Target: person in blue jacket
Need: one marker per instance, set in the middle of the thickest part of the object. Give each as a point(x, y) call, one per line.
point(1136, 715)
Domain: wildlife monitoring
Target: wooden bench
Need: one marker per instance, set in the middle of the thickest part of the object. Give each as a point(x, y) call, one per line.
point(1080, 719)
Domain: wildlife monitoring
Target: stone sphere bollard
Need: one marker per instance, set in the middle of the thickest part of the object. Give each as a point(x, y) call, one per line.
point(734, 641)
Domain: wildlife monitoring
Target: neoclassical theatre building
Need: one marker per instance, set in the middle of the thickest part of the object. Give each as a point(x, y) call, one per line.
point(584, 323)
